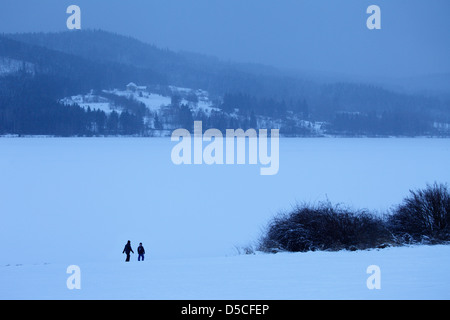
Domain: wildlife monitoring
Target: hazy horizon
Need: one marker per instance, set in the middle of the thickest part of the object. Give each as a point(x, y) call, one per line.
point(324, 36)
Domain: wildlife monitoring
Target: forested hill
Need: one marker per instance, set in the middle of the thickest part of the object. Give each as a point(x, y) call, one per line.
point(39, 69)
point(182, 69)
point(33, 79)
point(72, 72)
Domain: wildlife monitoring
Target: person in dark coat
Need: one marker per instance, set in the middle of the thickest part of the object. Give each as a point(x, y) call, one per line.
point(141, 252)
point(127, 250)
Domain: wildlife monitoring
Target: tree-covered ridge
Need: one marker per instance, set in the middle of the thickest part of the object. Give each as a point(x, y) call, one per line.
point(58, 65)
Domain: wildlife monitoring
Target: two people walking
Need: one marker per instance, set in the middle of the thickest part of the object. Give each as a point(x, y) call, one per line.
point(128, 249)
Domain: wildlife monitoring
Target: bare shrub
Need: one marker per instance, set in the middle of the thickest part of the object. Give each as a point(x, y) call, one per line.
point(324, 227)
point(423, 216)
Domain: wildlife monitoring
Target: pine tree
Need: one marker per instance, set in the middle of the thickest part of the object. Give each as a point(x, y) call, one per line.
point(157, 125)
point(253, 122)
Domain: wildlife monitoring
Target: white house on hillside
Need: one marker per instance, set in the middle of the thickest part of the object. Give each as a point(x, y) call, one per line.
point(133, 87)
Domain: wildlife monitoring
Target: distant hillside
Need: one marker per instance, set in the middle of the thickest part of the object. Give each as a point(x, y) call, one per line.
point(180, 69)
point(54, 66)
point(73, 72)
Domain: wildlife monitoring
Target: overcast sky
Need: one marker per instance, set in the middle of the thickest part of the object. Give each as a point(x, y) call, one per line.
point(319, 35)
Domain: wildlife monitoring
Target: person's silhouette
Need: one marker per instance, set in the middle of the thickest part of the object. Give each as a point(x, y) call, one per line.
point(141, 252)
point(127, 250)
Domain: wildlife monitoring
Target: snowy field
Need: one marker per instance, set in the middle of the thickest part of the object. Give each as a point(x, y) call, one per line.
point(405, 273)
point(77, 201)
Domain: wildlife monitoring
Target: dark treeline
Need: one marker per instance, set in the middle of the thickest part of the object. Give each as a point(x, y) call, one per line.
point(27, 107)
point(246, 104)
point(182, 116)
point(393, 123)
point(405, 118)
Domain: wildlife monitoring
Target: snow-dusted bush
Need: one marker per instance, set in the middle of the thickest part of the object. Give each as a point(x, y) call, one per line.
point(424, 216)
point(324, 227)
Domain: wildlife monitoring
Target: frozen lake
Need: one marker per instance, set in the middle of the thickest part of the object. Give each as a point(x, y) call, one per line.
point(77, 200)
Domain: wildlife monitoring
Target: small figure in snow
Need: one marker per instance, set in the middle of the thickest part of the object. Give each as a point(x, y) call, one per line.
point(127, 250)
point(141, 252)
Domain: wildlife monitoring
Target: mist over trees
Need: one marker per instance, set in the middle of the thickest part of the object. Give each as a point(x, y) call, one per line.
point(57, 65)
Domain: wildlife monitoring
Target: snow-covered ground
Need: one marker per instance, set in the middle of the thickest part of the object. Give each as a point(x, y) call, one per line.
point(8, 66)
point(152, 101)
point(76, 201)
point(405, 273)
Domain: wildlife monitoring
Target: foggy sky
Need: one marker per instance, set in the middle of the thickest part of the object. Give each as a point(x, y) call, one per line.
point(328, 36)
